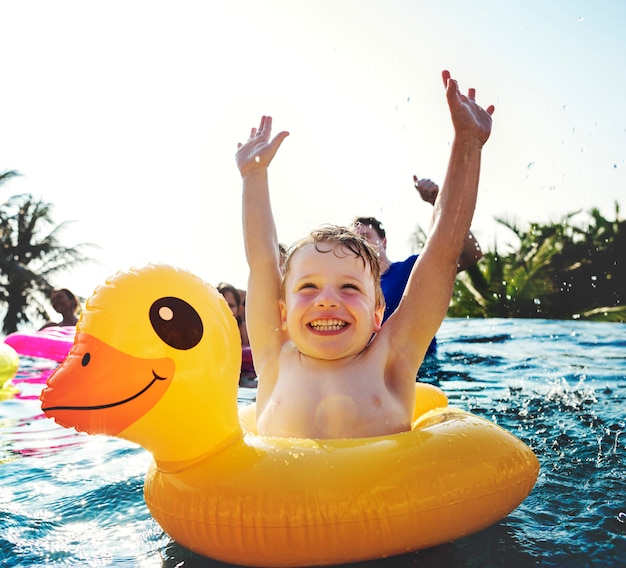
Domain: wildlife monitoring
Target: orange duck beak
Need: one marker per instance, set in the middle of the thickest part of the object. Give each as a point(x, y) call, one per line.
point(101, 390)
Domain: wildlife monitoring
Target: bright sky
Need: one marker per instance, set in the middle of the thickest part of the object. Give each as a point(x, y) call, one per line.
point(126, 114)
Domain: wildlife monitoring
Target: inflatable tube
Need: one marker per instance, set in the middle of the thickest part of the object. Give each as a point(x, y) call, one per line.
point(9, 363)
point(49, 343)
point(156, 360)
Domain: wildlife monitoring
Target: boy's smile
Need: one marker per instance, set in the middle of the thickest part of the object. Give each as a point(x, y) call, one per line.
point(326, 325)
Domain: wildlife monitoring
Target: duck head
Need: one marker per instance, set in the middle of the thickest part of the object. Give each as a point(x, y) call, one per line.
point(155, 361)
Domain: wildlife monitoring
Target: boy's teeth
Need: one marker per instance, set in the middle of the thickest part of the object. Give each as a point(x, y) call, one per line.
point(327, 325)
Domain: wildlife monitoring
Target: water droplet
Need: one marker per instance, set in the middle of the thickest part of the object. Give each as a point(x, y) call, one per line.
point(621, 517)
point(530, 165)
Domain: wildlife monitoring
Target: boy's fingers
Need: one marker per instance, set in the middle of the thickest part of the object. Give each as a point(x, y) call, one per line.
point(278, 139)
point(266, 125)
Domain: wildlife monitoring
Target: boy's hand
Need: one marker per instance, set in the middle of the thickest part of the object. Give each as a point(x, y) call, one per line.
point(258, 151)
point(467, 117)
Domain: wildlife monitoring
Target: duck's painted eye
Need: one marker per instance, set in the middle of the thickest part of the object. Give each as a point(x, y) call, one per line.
point(176, 322)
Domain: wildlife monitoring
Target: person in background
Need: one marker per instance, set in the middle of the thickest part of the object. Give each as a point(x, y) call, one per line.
point(65, 303)
point(395, 275)
point(233, 299)
point(243, 328)
point(471, 252)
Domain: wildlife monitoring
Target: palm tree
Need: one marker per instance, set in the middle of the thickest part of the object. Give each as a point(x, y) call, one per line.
point(30, 254)
point(559, 271)
point(518, 284)
point(594, 268)
point(6, 176)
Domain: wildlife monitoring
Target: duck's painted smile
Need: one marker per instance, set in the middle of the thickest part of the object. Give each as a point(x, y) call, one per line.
point(109, 379)
point(110, 404)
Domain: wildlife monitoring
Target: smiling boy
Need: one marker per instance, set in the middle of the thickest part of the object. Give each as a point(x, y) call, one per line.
point(327, 367)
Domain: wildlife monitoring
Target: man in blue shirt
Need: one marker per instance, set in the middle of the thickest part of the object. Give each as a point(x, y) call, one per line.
point(394, 275)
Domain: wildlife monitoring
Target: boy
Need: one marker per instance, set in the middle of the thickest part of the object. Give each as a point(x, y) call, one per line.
point(327, 367)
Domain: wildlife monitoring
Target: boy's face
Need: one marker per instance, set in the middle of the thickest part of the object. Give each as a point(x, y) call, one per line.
point(329, 307)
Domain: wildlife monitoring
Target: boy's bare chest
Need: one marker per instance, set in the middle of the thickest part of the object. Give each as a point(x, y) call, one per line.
point(348, 399)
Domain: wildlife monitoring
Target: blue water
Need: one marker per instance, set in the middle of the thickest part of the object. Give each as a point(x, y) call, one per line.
point(73, 499)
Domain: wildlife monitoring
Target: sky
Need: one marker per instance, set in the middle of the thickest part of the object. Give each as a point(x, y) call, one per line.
point(125, 115)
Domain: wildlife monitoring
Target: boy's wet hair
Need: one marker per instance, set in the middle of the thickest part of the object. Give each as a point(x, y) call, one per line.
point(346, 239)
point(371, 222)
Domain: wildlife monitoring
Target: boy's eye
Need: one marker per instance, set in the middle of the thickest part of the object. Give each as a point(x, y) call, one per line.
point(351, 287)
point(306, 285)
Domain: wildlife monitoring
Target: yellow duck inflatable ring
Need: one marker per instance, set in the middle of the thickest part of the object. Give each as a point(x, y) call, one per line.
point(156, 361)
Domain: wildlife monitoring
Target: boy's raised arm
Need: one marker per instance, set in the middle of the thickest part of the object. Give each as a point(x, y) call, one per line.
point(260, 239)
point(429, 289)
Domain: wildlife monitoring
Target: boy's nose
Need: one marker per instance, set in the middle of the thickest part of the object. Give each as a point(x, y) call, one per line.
point(327, 299)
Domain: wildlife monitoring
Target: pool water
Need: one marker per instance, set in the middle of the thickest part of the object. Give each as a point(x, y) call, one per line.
point(74, 499)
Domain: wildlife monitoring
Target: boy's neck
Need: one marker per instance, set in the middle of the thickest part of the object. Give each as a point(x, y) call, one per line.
point(346, 360)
